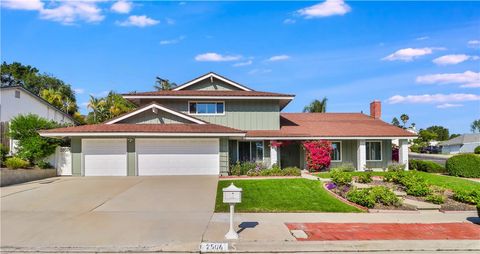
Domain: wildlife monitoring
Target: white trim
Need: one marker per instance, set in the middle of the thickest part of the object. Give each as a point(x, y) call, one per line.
point(326, 138)
point(158, 107)
point(139, 134)
point(208, 97)
point(341, 151)
point(208, 114)
point(211, 75)
point(381, 150)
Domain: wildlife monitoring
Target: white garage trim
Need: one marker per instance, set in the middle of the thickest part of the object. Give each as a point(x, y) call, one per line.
point(177, 156)
point(104, 157)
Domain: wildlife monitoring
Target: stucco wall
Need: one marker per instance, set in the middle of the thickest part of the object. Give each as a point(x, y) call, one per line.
point(16, 176)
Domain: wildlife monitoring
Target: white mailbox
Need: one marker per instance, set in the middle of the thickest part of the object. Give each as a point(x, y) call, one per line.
point(232, 194)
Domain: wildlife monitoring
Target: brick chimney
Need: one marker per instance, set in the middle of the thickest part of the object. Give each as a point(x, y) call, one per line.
point(376, 109)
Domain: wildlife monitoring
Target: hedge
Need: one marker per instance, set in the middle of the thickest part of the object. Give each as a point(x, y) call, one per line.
point(426, 166)
point(464, 165)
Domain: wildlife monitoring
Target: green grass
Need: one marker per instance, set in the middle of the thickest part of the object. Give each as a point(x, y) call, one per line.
point(448, 182)
point(282, 195)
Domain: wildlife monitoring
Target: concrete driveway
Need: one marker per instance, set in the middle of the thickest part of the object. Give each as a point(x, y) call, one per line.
point(168, 213)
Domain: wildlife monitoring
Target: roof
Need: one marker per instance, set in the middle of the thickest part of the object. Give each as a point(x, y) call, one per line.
point(206, 93)
point(212, 75)
point(141, 130)
point(331, 125)
point(42, 100)
point(462, 139)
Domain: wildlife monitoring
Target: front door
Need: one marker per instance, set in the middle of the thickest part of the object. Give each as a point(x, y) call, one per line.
point(244, 151)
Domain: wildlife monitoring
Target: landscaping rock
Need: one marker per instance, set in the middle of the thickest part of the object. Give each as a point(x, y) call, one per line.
point(361, 185)
point(400, 193)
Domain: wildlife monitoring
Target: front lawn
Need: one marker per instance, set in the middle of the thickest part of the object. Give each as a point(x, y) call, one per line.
point(448, 182)
point(282, 195)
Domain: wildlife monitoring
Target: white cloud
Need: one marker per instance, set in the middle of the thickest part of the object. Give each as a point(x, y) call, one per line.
point(122, 6)
point(422, 38)
point(240, 64)
point(70, 12)
point(278, 58)
point(289, 21)
point(474, 43)
point(453, 59)
point(27, 5)
point(471, 85)
point(409, 54)
point(325, 9)
point(172, 41)
point(170, 21)
point(433, 98)
point(79, 90)
point(449, 105)
point(450, 78)
point(140, 21)
point(259, 71)
point(215, 57)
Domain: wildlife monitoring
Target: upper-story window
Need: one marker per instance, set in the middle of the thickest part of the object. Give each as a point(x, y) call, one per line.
point(206, 107)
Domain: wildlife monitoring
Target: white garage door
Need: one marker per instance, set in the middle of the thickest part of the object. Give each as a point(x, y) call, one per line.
point(105, 157)
point(177, 156)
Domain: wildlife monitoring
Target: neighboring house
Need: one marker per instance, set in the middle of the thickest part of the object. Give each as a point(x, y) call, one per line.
point(202, 126)
point(465, 143)
point(16, 100)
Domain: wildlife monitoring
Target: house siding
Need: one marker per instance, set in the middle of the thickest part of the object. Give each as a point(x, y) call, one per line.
point(149, 117)
point(76, 151)
point(207, 84)
point(386, 156)
point(224, 161)
point(349, 153)
point(131, 158)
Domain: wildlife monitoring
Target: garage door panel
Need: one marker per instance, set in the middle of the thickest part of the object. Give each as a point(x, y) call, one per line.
point(177, 156)
point(105, 157)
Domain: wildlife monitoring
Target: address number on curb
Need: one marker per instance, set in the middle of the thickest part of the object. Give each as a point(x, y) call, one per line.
point(213, 247)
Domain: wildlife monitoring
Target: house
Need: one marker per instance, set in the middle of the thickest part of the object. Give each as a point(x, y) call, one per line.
point(16, 100)
point(465, 143)
point(203, 125)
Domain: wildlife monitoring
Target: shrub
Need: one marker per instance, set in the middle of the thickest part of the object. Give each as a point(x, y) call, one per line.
point(426, 166)
point(275, 171)
point(396, 167)
point(435, 198)
point(370, 196)
point(242, 168)
point(15, 162)
point(44, 165)
point(365, 178)
point(344, 167)
point(3, 153)
point(394, 176)
point(361, 197)
point(477, 150)
point(464, 165)
point(471, 197)
point(292, 171)
point(415, 186)
point(341, 178)
point(317, 154)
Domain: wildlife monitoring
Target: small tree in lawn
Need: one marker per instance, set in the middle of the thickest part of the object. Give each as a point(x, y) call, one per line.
point(318, 154)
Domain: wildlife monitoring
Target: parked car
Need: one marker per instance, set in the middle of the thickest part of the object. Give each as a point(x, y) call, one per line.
point(431, 149)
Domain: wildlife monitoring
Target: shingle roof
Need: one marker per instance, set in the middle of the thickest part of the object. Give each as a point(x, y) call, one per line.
point(331, 125)
point(460, 140)
point(209, 93)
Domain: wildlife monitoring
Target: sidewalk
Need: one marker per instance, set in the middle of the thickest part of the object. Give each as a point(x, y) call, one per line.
point(267, 232)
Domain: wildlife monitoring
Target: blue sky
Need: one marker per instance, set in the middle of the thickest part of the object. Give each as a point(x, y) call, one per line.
point(419, 58)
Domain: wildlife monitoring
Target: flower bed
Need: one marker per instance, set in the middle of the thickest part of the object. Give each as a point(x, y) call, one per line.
point(252, 169)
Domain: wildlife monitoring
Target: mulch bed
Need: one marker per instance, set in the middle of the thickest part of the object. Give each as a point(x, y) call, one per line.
point(387, 231)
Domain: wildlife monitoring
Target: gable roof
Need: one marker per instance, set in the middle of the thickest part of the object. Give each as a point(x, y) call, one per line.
point(211, 75)
point(191, 94)
point(462, 139)
point(154, 105)
point(331, 125)
point(42, 100)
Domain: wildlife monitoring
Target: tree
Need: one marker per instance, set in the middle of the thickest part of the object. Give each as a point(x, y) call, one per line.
point(427, 136)
point(404, 118)
point(317, 106)
point(454, 136)
point(441, 132)
point(107, 107)
point(395, 122)
point(475, 126)
point(163, 84)
point(31, 146)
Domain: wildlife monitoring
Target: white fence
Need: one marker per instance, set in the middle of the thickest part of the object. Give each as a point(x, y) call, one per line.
point(62, 161)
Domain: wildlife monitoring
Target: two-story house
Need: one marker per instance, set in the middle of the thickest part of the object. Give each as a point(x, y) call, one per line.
point(203, 125)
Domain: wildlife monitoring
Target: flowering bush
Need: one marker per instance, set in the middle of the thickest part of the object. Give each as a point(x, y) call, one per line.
point(318, 154)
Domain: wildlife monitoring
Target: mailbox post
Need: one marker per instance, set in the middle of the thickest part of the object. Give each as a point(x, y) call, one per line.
point(232, 195)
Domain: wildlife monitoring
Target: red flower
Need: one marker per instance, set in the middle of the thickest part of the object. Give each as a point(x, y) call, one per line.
point(318, 154)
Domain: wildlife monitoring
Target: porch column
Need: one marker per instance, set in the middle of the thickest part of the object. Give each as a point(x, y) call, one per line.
point(361, 155)
point(403, 152)
point(273, 155)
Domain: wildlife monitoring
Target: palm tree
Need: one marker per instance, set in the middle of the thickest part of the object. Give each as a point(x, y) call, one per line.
point(404, 118)
point(317, 106)
point(163, 84)
point(53, 97)
point(95, 104)
point(475, 126)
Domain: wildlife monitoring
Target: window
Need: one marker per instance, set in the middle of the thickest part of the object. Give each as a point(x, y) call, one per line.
point(250, 151)
point(206, 108)
point(17, 94)
point(336, 154)
point(374, 150)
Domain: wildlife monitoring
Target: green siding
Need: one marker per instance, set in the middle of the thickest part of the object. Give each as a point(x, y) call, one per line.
point(131, 157)
point(76, 150)
point(207, 84)
point(266, 153)
point(239, 114)
point(349, 153)
point(386, 156)
point(224, 162)
point(148, 117)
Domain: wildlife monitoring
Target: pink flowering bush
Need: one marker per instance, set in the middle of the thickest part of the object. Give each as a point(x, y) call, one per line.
point(318, 154)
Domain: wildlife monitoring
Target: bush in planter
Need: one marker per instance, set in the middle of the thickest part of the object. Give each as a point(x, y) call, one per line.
point(44, 165)
point(370, 196)
point(15, 162)
point(365, 178)
point(344, 167)
point(394, 177)
point(476, 150)
point(435, 198)
point(464, 165)
point(361, 197)
point(341, 178)
point(415, 186)
point(396, 167)
point(426, 166)
point(242, 168)
point(275, 171)
point(470, 197)
point(3, 154)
